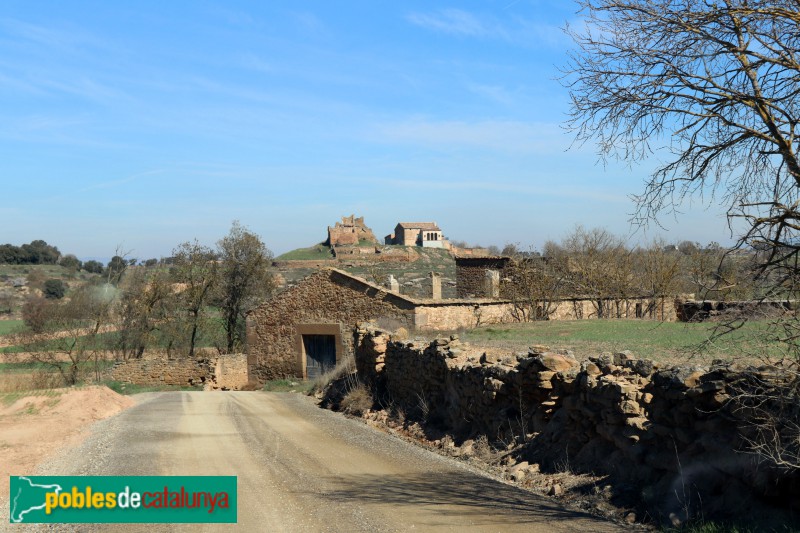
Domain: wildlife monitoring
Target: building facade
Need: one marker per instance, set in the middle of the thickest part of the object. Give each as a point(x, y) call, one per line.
point(425, 234)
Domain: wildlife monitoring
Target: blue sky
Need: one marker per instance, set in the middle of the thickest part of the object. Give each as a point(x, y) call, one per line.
point(146, 124)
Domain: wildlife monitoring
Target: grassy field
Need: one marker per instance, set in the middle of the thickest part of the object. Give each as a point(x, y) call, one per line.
point(9, 326)
point(316, 252)
point(32, 366)
point(665, 342)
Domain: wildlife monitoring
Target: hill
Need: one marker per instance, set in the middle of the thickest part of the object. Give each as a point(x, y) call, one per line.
point(410, 265)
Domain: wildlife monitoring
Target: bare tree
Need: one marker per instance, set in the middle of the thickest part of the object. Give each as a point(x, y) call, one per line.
point(70, 339)
point(599, 268)
point(715, 84)
point(144, 313)
point(657, 274)
point(534, 286)
point(713, 89)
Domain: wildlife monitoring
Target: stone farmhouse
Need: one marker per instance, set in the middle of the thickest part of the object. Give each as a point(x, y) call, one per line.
point(305, 330)
point(425, 234)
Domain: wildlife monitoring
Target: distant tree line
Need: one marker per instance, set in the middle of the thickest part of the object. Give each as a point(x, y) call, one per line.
point(38, 252)
point(198, 297)
point(594, 264)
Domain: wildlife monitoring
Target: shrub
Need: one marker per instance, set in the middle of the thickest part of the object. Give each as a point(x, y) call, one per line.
point(54, 289)
point(93, 267)
point(36, 312)
point(357, 400)
point(70, 262)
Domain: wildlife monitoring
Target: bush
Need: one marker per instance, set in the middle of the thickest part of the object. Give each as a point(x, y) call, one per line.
point(36, 312)
point(71, 262)
point(357, 400)
point(54, 289)
point(93, 267)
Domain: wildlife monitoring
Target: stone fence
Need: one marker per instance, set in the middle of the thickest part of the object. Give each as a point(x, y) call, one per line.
point(674, 439)
point(211, 372)
point(304, 263)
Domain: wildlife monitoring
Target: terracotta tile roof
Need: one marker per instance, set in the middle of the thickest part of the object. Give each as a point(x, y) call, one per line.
point(427, 226)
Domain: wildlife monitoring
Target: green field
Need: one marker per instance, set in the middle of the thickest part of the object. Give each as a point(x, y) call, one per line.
point(666, 342)
point(9, 326)
point(316, 252)
point(27, 367)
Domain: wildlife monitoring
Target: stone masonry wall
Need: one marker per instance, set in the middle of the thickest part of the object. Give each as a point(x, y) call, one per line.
point(185, 372)
point(671, 437)
point(230, 372)
point(651, 308)
point(471, 275)
point(227, 372)
point(454, 315)
point(318, 299)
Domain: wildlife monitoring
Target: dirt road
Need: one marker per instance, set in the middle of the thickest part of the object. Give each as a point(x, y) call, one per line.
point(301, 468)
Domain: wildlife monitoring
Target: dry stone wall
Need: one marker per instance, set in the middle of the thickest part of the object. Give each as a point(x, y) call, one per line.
point(226, 372)
point(701, 310)
point(672, 436)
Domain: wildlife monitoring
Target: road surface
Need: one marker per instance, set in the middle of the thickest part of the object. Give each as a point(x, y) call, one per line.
point(301, 468)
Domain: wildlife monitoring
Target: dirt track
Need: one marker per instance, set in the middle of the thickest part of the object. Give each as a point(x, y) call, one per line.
point(301, 468)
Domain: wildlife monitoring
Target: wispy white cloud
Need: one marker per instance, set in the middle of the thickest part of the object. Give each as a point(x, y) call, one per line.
point(231, 16)
point(114, 183)
point(256, 63)
point(495, 93)
point(67, 130)
point(309, 22)
point(64, 39)
point(453, 21)
point(516, 30)
point(495, 135)
point(502, 186)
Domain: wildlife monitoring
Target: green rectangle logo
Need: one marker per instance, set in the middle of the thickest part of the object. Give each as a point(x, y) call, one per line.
point(123, 499)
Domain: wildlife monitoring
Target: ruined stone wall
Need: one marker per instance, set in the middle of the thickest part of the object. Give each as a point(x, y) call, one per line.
point(701, 310)
point(471, 276)
point(304, 263)
point(230, 372)
point(226, 372)
point(161, 370)
point(651, 308)
point(672, 436)
point(272, 336)
point(453, 314)
point(339, 236)
point(350, 231)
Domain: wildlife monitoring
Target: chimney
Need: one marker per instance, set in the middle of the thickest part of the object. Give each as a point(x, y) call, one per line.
point(392, 284)
point(436, 286)
point(493, 284)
